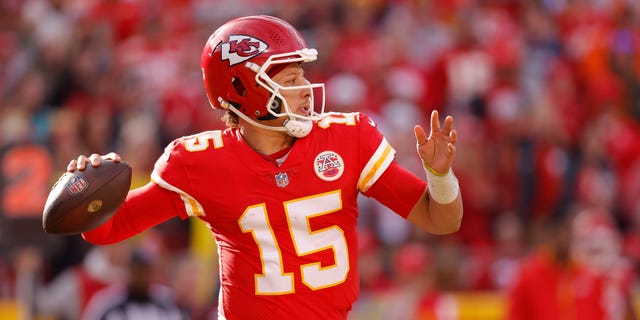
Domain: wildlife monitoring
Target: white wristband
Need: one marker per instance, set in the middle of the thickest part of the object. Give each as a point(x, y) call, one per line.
point(442, 188)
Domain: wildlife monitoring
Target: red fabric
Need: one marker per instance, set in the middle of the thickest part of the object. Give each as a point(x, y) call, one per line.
point(264, 235)
point(398, 189)
point(286, 234)
point(545, 290)
point(156, 204)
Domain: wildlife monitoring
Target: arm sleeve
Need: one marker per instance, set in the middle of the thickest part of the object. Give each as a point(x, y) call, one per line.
point(143, 208)
point(398, 189)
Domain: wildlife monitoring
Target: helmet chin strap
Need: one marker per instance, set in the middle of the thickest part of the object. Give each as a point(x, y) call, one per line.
point(298, 128)
point(293, 127)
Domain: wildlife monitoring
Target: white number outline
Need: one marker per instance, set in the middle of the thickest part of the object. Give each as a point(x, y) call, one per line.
point(273, 280)
point(348, 119)
point(202, 141)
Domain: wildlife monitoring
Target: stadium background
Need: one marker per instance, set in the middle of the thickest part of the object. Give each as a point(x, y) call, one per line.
point(545, 94)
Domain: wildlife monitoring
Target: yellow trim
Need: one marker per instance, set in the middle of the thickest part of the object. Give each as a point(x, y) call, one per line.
point(376, 167)
point(191, 205)
point(434, 171)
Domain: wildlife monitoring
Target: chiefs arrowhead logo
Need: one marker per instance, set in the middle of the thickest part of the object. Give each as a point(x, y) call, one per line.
point(241, 48)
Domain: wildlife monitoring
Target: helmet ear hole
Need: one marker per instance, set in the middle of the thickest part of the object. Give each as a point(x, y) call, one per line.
point(276, 105)
point(239, 87)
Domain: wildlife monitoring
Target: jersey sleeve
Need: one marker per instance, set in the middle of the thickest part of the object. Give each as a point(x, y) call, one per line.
point(144, 207)
point(382, 178)
point(398, 189)
point(170, 172)
point(375, 152)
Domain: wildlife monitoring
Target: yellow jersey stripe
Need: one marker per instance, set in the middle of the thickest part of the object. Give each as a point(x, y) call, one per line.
point(378, 163)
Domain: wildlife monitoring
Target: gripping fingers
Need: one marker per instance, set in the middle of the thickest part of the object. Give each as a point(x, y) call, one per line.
point(72, 166)
point(95, 159)
point(112, 156)
point(80, 163)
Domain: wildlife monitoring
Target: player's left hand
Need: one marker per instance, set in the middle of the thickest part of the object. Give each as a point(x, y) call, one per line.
point(438, 149)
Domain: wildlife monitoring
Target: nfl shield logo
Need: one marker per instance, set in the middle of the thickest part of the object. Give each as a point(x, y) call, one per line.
point(282, 179)
point(76, 185)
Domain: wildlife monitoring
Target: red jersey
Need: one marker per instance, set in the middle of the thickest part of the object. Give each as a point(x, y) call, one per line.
point(286, 234)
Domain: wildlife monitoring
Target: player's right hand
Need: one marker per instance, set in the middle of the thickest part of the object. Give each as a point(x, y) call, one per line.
point(95, 160)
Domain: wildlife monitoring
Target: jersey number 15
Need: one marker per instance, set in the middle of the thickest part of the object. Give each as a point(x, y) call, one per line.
point(273, 280)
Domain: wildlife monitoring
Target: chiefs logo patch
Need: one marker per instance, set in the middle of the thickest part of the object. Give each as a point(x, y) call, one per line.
point(328, 165)
point(241, 48)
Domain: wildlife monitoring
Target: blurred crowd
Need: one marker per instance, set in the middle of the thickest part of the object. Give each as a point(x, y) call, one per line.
point(545, 96)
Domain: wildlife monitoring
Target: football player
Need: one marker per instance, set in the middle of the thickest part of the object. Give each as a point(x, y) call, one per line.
point(279, 186)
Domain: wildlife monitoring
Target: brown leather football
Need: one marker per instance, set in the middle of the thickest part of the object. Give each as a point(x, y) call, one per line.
point(83, 200)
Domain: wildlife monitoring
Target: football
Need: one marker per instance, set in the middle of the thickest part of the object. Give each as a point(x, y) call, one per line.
point(83, 200)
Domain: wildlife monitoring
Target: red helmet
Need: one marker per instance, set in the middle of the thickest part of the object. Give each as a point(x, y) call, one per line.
point(237, 60)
